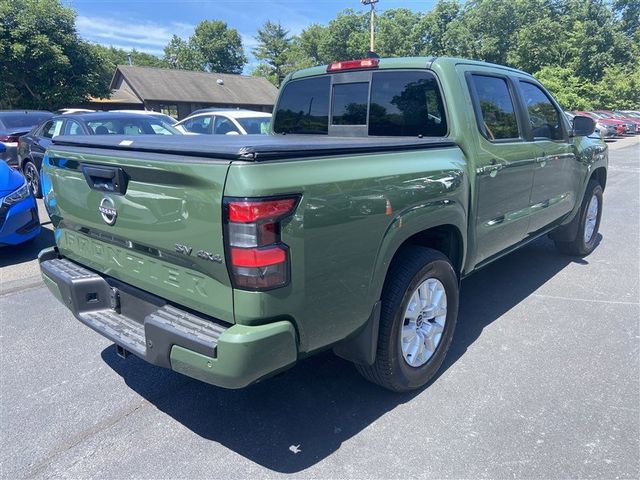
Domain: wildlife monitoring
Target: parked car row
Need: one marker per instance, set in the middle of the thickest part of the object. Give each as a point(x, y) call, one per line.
point(613, 123)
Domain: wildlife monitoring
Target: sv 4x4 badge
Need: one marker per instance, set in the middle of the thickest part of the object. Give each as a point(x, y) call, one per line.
point(186, 250)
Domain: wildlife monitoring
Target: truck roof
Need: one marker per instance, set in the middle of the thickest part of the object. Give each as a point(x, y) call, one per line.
point(408, 62)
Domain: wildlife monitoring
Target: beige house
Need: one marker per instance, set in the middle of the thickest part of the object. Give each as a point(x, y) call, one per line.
point(180, 92)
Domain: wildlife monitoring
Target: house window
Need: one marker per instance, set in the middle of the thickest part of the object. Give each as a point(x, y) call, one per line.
point(171, 110)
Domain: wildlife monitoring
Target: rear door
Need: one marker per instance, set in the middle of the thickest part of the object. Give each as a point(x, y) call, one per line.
point(504, 164)
point(557, 175)
point(150, 220)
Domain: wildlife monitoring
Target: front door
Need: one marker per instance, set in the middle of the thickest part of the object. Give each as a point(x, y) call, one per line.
point(557, 174)
point(504, 166)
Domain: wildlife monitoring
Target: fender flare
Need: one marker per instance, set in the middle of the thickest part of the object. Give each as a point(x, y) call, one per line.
point(434, 214)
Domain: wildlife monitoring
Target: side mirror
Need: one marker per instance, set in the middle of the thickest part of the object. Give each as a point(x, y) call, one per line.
point(583, 126)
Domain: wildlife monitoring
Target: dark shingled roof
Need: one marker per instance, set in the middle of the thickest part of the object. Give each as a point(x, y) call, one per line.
point(201, 87)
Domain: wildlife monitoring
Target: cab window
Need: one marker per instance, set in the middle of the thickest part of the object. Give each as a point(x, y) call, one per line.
point(496, 115)
point(223, 126)
point(73, 128)
point(406, 104)
point(543, 116)
point(52, 129)
point(200, 124)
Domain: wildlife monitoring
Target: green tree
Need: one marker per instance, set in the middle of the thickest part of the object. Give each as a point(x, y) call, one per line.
point(434, 25)
point(346, 38)
point(619, 87)
point(118, 56)
point(309, 41)
point(180, 55)
point(629, 11)
point(220, 47)
point(43, 62)
point(213, 47)
point(274, 50)
point(571, 91)
point(398, 33)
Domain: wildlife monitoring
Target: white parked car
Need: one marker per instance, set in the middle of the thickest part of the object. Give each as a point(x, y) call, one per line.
point(226, 122)
point(163, 116)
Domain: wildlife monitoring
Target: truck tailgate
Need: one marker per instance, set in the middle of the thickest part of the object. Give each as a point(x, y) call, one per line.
point(150, 220)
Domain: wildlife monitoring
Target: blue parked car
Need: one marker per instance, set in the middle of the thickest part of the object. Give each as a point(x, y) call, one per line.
point(19, 221)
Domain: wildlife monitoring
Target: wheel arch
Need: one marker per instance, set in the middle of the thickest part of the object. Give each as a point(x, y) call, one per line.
point(600, 176)
point(444, 234)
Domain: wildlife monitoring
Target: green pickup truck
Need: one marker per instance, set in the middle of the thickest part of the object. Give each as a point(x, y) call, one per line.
point(383, 184)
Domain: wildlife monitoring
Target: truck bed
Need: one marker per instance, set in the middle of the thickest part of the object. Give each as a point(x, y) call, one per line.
point(252, 147)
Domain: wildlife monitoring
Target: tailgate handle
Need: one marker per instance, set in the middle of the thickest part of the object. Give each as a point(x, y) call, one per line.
point(106, 179)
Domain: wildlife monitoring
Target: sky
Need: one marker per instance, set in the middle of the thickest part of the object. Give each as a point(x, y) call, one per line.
point(147, 25)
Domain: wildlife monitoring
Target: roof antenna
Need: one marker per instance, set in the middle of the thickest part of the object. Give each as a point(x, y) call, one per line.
point(372, 25)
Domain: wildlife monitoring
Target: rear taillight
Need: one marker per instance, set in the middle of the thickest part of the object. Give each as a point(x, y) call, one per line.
point(9, 138)
point(257, 258)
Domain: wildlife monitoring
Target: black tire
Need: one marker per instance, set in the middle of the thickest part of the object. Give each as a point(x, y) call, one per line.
point(413, 266)
point(32, 174)
point(578, 246)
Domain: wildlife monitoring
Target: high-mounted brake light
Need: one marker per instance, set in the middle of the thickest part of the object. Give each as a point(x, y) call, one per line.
point(354, 64)
point(258, 260)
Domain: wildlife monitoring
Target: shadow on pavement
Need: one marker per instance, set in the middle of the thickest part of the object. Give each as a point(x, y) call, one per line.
point(322, 402)
point(25, 252)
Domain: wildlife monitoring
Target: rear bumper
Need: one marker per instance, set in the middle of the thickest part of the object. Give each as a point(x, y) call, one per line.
point(230, 356)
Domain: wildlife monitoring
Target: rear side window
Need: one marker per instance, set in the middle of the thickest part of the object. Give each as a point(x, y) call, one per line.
point(52, 129)
point(200, 124)
point(498, 117)
point(304, 107)
point(406, 104)
point(223, 126)
point(543, 116)
point(73, 128)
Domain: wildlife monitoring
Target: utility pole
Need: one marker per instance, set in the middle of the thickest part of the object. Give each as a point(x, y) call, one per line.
point(372, 21)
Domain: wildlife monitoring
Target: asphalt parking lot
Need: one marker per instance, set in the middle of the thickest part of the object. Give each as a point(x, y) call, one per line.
point(542, 381)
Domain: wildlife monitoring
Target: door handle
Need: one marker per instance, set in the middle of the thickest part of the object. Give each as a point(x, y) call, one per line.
point(491, 170)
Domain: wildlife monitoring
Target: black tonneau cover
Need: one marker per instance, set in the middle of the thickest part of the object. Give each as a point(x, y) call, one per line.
point(251, 147)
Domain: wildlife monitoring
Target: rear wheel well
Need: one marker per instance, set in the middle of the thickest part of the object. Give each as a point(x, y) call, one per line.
point(600, 176)
point(444, 238)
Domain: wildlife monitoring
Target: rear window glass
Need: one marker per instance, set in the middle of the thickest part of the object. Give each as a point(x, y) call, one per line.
point(304, 107)
point(350, 103)
point(21, 119)
point(406, 104)
point(401, 103)
point(496, 108)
